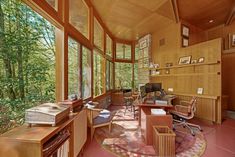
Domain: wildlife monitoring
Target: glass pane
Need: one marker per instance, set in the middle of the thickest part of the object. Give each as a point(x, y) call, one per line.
point(79, 16)
point(86, 73)
point(53, 3)
point(98, 35)
point(107, 75)
point(123, 75)
point(98, 73)
point(123, 51)
point(109, 44)
point(136, 51)
point(74, 68)
point(135, 75)
point(111, 75)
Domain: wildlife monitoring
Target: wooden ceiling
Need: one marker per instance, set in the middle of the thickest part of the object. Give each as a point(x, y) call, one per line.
point(200, 12)
point(130, 19)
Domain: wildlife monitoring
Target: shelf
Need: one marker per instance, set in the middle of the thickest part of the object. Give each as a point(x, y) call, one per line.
point(187, 65)
point(198, 95)
point(187, 74)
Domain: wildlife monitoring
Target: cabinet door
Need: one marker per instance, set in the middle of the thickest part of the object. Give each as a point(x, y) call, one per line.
point(80, 132)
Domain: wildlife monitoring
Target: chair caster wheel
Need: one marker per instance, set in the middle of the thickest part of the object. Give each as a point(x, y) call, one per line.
point(173, 129)
point(201, 130)
point(193, 134)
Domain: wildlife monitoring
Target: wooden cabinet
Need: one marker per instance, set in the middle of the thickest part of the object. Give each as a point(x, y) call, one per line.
point(27, 141)
point(148, 121)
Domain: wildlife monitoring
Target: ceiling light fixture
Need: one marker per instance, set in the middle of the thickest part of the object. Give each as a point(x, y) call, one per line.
point(211, 21)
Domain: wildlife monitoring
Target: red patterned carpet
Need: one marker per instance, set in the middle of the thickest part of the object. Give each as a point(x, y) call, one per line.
point(126, 140)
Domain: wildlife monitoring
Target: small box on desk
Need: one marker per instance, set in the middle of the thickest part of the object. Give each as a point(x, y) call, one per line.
point(164, 141)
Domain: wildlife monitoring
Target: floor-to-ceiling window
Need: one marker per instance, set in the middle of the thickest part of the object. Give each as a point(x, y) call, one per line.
point(27, 61)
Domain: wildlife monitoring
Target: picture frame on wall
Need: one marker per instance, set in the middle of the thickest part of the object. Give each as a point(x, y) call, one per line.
point(185, 31)
point(232, 40)
point(185, 60)
point(185, 42)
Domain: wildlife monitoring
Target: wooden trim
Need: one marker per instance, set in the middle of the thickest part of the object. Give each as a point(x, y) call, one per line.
point(176, 10)
point(45, 10)
point(66, 37)
point(231, 15)
point(79, 37)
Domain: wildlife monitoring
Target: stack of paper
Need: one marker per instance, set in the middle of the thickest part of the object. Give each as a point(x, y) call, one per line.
point(158, 111)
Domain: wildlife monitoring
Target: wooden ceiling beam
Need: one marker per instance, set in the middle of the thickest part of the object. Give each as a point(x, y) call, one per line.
point(176, 10)
point(231, 15)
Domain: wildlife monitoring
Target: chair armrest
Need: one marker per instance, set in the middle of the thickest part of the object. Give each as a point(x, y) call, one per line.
point(181, 108)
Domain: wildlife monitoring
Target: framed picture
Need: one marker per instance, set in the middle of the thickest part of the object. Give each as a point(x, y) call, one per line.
point(201, 60)
point(194, 61)
point(185, 31)
point(231, 40)
point(185, 60)
point(143, 44)
point(200, 91)
point(185, 42)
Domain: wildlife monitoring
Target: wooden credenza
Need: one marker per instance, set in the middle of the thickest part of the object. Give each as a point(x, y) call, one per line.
point(148, 121)
point(27, 141)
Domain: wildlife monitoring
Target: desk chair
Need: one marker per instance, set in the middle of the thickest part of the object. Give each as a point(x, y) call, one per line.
point(96, 121)
point(128, 100)
point(183, 112)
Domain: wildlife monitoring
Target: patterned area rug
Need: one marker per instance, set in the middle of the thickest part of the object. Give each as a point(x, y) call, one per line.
point(126, 140)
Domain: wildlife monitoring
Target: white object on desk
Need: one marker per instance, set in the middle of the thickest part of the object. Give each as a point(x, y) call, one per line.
point(155, 111)
point(164, 102)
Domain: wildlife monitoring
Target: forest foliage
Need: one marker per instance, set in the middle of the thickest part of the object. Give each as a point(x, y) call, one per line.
point(27, 62)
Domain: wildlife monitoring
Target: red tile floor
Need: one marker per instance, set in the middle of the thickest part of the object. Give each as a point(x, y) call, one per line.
point(220, 141)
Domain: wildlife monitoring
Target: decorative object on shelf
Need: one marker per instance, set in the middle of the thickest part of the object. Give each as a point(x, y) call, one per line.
point(167, 71)
point(200, 91)
point(157, 73)
point(194, 61)
point(143, 44)
point(169, 64)
point(156, 65)
point(185, 31)
point(185, 42)
point(151, 65)
point(185, 60)
point(201, 60)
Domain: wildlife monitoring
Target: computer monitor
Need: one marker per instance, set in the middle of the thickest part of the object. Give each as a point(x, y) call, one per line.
point(156, 87)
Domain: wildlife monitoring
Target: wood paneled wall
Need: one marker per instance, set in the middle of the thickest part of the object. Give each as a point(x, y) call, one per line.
point(228, 75)
point(187, 80)
point(228, 64)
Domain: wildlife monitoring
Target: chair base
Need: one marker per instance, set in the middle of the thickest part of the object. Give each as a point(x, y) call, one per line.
point(184, 123)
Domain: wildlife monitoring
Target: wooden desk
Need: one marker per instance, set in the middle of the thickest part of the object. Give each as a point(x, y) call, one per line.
point(147, 122)
point(162, 106)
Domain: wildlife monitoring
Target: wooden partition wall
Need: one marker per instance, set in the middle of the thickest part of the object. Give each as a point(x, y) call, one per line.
point(186, 79)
